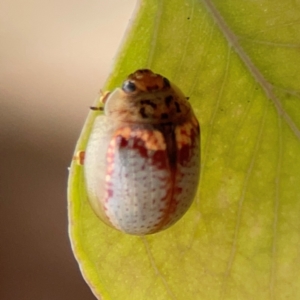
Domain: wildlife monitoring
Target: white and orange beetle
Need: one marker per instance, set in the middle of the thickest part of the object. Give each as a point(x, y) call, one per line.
point(142, 160)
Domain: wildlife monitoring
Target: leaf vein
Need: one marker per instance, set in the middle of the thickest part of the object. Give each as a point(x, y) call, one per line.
point(155, 33)
point(155, 268)
point(276, 209)
point(241, 204)
point(266, 86)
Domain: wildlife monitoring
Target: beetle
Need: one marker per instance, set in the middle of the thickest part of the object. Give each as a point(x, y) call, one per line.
point(142, 160)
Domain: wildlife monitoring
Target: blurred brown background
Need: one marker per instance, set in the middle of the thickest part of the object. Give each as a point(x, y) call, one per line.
point(54, 57)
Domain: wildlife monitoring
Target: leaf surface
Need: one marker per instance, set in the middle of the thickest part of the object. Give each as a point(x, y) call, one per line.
point(239, 62)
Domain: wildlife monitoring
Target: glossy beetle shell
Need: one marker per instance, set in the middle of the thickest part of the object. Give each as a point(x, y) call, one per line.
point(142, 160)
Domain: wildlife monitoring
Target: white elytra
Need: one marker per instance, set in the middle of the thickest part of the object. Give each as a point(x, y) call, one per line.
point(137, 184)
point(132, 184)
point(140, 186)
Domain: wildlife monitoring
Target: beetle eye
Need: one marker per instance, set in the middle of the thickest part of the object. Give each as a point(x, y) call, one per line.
point(128, 87)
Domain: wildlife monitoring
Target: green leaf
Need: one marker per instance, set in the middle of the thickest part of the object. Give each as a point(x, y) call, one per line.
point(239, 62)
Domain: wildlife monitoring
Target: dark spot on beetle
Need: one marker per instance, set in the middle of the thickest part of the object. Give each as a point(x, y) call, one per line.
point(188, 18)
point(164, 116)
point(187, 98)
point(148, 102)
point(128, 86)
point(177, 107)
point(166, 83)
point(168, 100)
point(152, 88)
point(168, 124)
point(143, 113)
